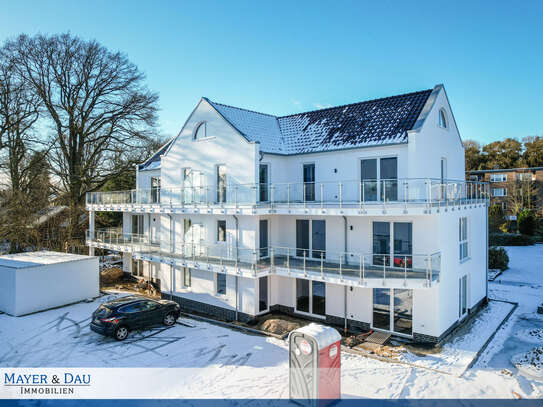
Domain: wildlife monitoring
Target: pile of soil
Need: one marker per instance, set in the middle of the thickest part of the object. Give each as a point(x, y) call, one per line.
point(354, 340)
point(279, 324)
point(111, 275)
point(384, 351)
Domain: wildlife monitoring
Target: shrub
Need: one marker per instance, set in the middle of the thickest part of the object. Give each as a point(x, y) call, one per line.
point(510, 239)
point(496, 219)
point(498, 258)
point(526, 222)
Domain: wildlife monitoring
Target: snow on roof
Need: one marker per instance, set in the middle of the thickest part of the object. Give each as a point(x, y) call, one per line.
point(40, 258)
point(324, 335)
point(374, 122)
point(255, 126)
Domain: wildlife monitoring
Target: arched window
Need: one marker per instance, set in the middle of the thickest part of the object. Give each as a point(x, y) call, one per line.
point(200, 131)
point(442, 118)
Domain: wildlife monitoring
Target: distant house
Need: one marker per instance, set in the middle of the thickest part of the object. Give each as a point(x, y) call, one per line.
point(504, 183)
point(358, 216)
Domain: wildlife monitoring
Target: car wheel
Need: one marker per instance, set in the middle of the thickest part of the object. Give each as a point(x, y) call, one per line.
point(121, 333)
point(169, 319)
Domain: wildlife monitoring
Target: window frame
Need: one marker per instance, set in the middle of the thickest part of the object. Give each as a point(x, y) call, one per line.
point(443, 119)
point(197, 129)
point(503, 194)
point(463, 238)
point(187, 282)
point(219, 222)
point(222, 276)
point(503, 177)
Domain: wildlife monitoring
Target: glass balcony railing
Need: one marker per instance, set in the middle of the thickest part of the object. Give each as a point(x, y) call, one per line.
point(310, 194)
point(294, 261)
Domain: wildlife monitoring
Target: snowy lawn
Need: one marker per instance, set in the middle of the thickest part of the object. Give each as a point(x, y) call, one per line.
point(459, 351)
point(228, 363)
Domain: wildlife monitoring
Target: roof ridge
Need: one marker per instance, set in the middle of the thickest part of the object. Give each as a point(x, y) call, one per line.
point(241, 108)
point(356, 103)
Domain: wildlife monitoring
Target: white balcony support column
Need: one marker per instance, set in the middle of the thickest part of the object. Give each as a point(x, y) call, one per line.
point(92, 219)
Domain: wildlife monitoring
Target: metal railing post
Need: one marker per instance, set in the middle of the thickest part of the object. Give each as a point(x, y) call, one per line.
point(288, 260)
point(405, 271)
point(288, 194)
point(341, 267)
point(322, 195)
point(305, 272)
point(384, 269)
point(322, 265)
point(272, 261)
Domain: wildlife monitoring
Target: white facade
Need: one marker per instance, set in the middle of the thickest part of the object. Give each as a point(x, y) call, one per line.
point(36, 281)
point(257, 240)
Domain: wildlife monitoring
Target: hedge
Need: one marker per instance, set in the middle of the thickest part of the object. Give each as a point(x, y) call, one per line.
point(510, 239)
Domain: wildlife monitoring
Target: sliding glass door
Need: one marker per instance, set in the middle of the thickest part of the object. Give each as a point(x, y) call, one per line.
point(379, 177)
point(402, 244)
point(311, 297)
point(393, 310)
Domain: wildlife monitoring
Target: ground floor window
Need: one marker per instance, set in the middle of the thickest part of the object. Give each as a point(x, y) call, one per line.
point(462, 296)
point(221, 283)
point(311, 296)
point(393, 310)
point(186, 277)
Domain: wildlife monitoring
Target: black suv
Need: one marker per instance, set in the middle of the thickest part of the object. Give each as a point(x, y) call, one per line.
point(116, 318)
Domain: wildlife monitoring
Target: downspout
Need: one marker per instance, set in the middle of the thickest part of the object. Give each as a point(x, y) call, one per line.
point(171, 251)
point(237, 258)
point(345, 287)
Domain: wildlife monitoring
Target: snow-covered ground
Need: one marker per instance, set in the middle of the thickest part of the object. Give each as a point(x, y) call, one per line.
point(228, 363)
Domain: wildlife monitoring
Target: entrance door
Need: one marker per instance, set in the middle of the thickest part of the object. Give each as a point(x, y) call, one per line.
point(381, 308)
point(263, 180)
point(302, 237)
point(263, 238)
point(302, 295)
point(318, 298)
point(309, 182)
point(263, 294)
point(318, 237)
point(389, 179)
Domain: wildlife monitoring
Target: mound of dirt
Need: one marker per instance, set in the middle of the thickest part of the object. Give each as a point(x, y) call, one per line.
point(279, 326)
point(111, 275)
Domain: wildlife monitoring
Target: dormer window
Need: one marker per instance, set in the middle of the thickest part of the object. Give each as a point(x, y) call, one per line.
point(200, 131)
point(442, 119)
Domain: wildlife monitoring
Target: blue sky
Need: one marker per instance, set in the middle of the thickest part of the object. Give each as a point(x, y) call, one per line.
point(287, 57)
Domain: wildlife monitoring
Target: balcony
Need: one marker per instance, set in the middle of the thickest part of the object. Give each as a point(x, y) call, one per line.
point(372, 270)
point(347, 197)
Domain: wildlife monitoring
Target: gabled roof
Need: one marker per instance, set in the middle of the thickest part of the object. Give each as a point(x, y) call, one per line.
point(374, 122)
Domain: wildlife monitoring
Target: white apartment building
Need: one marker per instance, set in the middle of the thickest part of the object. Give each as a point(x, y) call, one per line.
point(357, 216)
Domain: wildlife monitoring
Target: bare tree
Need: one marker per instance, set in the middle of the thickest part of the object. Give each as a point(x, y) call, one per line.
point(521, 194)
point(101, 113)
point(19, 111)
